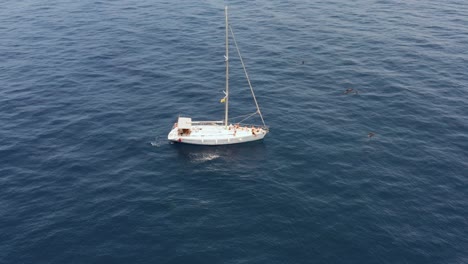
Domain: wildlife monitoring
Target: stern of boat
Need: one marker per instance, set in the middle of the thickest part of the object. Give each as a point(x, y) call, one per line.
point(173, 134)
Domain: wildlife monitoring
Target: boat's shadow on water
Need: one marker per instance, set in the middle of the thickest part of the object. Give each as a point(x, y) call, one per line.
point(252, 151)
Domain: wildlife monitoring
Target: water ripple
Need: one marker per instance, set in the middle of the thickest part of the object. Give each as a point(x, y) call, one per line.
point(87, 85)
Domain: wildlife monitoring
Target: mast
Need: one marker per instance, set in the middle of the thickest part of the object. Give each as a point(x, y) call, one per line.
point(227, 69)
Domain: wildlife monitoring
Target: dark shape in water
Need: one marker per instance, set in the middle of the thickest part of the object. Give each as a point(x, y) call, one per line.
point(348, 91)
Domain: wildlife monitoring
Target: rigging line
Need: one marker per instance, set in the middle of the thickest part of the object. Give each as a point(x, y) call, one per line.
point(244, 115)
point(246, 75)
point(250, 117)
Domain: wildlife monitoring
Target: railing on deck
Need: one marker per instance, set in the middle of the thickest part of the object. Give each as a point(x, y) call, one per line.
point(204, 123)
point(252, 125)
point(201, 123)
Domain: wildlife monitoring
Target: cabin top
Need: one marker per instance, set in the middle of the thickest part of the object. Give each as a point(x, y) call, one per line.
point(184, 123)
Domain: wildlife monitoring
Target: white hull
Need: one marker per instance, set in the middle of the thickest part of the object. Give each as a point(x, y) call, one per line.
point(217, 135)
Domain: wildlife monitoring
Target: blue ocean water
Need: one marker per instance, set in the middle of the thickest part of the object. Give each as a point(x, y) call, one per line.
point(86, 86)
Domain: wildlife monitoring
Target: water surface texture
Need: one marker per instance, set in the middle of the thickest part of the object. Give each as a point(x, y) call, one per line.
point(86, 86)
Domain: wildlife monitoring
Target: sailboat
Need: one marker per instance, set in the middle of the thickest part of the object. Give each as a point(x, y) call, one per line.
point(188, 131)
